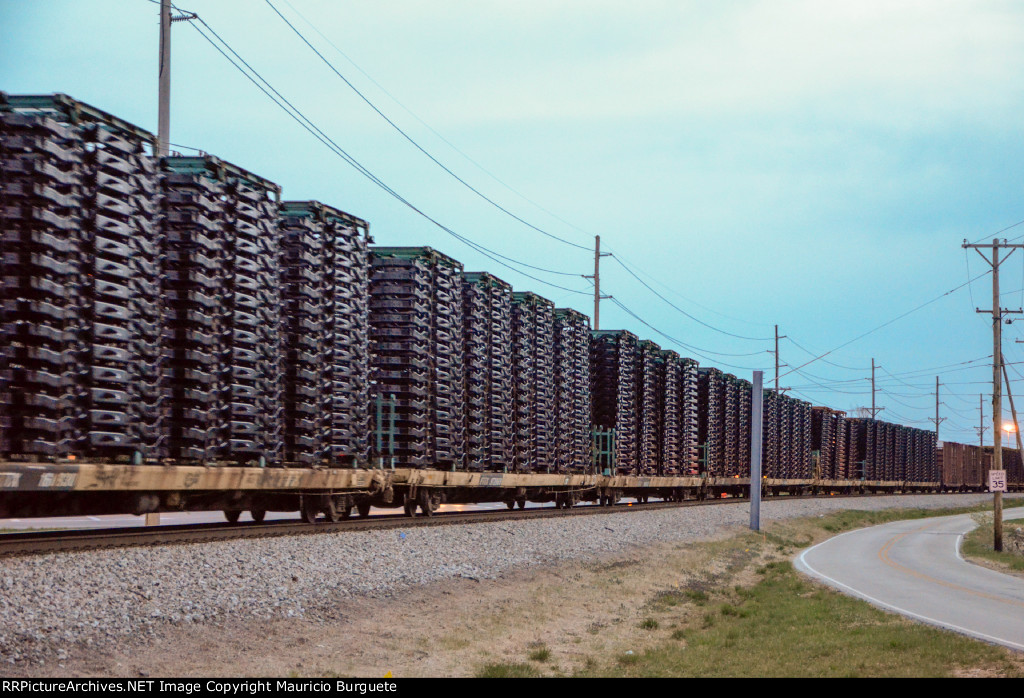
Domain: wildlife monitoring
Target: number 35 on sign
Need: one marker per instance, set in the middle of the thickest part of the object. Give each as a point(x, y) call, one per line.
point(996, 480)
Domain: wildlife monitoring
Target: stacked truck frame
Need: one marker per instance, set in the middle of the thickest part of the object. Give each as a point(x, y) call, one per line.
point(174, 335)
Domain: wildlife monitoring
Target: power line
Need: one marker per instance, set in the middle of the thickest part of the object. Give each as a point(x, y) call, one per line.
point(825, 387)
point(306, 123)
point(695, 319)
point(915, 373)
point(1000, 232)
point(430, 128)
point(696, 350)
point(889, 322)
point(956, 411)
point(830, 363)
point(311, 127)
point(687, 299)
point(412, 141)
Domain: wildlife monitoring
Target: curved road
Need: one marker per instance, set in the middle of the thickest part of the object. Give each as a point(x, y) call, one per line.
point(915, 568)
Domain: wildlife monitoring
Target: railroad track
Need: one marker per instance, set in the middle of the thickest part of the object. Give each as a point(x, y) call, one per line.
point(37, 542)
point(40, 542)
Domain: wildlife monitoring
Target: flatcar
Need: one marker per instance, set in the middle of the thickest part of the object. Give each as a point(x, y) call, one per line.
point(175, 336)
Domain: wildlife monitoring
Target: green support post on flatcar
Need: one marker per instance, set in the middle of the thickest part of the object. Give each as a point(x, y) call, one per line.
point(379, 431)
point(603, 451)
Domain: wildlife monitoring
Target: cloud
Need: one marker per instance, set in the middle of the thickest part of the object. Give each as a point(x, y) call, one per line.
point(867, 60)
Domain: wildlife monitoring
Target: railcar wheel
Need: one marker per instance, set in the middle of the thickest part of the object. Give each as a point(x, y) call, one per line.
point(309, 510)
point(258, 515)
point(426, 503)
point(363, 508)
point(511, 504)
point(232, 515)
point(331, 510)
point(409, 506)
point(521, 502)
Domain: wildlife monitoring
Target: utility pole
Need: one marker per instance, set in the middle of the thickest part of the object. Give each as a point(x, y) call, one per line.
point(1013, 411)
point(163, 130)
point(597, 281)
point(777, 360)
point(163, 138)
point(998, 527)
point(981, 428)
point(164, 105)
point(997, 369)
point(937, 420)
point(777, 338)
point(874, 410)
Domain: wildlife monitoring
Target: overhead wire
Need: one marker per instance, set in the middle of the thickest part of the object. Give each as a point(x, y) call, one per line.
point(430, 128)
point(311, 127)
point(811, 353)
point(955, 411)
point(673, 291)
point(413, 141)
point(676, 307)
point(272, 93)
point(889, 322)
point(915, 373)
point(695, 350)
point(304, 121)
point(1000, 232)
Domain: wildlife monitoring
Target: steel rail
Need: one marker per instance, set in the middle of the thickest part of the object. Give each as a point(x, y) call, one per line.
point(60, 541)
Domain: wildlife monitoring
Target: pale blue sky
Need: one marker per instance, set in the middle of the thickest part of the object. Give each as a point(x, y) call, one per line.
point(808, 163)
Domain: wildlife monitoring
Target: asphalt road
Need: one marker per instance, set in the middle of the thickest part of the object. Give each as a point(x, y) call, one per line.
point(915, 568)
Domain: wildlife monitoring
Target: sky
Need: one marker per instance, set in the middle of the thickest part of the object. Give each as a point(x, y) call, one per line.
point(807, 163)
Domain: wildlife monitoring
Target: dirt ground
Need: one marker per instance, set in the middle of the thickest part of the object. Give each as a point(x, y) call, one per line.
point(557, 619)
point(578, 611)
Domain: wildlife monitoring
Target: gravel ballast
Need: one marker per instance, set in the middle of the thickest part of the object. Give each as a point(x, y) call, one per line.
point(51, 602)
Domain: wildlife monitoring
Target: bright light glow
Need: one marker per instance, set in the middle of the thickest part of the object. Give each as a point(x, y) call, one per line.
point(1009, 427)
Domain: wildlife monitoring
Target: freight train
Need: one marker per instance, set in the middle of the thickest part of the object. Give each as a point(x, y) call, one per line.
point(174, 336)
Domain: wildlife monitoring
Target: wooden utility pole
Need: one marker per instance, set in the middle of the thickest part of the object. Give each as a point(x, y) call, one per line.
point(1020, 449)
point(597, 281)
point(1013, 411)
point(997, 369)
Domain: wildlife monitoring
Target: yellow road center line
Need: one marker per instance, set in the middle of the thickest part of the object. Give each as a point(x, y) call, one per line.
point(883, 555)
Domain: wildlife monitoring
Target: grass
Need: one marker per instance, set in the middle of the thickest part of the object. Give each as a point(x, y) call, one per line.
point(849, 520)
point(978, 545)
point(789, 627)
point(736, 607)
point(508, 671)
point(540, 654)
point(758, 618)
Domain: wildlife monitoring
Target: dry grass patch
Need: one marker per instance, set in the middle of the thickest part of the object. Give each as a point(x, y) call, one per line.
point(750, 614)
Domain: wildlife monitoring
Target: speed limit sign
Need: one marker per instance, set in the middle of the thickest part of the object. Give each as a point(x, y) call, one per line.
point(996, 480)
